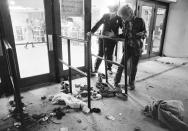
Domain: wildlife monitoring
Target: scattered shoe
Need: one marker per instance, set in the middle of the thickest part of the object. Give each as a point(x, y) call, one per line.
point(122, 96)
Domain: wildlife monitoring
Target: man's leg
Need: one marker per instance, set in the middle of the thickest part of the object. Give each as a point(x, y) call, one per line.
point(118, 75)
point(100, 53)
point(109, 53)
point(134, 63)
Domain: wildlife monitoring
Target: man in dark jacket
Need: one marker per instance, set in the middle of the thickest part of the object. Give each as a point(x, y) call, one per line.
point(111, 23)
point(134, 32)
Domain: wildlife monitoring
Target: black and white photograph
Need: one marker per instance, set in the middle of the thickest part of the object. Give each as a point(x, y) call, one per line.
point(94, 65)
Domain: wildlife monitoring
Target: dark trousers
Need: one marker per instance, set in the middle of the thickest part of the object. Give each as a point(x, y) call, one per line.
point(134, 59)
point(109, 49)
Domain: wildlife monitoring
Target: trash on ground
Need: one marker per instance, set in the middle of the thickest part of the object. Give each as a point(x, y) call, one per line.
point(38, 116)
point(59, 113)
point(65, 87)
point(95, 110)
point(110, 117)
point(137, 129)
point(43, 97)
point(85, 128)
point(168, 112)
point(70, 101)
point(64, 129)
point(120, 114)
point(17, 124)
point(79, 121)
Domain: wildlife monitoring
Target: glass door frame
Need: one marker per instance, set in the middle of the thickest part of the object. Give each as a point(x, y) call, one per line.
point(163, 6)
point(9, 36)
point(155, 5)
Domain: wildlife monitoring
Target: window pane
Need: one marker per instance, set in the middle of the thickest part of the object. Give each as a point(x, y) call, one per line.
point(158, 29)
point(28, 24)
point(72, 25)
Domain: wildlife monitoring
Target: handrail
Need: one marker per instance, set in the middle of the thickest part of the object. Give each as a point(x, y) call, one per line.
point(108, 37)
point(115, 63)
point(74, 68)
point(72, 39)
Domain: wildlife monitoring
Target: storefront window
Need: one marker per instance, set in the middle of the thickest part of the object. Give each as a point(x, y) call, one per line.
point(72, 25)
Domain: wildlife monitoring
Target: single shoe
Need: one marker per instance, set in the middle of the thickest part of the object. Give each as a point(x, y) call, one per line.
point(117, 88)
point(132, 86)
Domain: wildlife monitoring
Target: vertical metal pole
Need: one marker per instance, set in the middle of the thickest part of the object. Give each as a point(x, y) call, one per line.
point(89, 71)
point(69, 62)
point(125, 65)
point(105, 62)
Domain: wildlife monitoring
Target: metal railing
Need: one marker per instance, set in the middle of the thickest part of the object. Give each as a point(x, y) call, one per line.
point(112, 62)
point(70, 67)
point(89, 54)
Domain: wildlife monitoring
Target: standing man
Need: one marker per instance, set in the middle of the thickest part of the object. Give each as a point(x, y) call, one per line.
point(134, 32)
point(111, 23)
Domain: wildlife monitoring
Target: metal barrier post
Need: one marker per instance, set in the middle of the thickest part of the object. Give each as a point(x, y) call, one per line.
point(105, 57)
point(69, 63)
point(125, 65)
point(89, 71)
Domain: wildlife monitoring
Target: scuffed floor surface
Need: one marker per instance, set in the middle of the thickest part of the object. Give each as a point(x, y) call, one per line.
point(156, 79)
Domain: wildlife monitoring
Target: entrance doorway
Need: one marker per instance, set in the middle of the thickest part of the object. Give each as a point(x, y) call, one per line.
point(154, 15)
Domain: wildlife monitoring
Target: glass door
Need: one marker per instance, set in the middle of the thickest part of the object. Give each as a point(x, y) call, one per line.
point(146, 11)
point(72, 25)
point(160, 15)
point(154, 15)
point(29, 30)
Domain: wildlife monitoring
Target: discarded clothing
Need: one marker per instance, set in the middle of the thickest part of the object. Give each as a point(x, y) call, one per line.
point(105, 90)
point(69, 100)
point(59, 113)
point(168, 112)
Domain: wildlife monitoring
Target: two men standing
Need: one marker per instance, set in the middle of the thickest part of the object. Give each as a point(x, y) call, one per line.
point(134, 32)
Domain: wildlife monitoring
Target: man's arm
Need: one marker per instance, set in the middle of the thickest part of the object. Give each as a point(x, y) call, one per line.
point(98, 24)
point(142, 33)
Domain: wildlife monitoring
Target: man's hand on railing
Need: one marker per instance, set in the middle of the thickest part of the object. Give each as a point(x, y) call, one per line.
point(89, 33)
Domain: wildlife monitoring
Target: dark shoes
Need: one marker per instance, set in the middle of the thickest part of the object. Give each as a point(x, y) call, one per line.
point(132, 87)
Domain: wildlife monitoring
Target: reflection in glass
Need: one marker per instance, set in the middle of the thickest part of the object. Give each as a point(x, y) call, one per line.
point(158, 29)
point(146, 14)
point(72, 25)
point(28, 24)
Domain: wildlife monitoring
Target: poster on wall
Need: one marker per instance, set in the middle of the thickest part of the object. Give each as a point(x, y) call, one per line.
point(72, 7)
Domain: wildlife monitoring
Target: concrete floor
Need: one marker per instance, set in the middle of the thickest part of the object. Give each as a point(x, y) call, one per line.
point(164, 78)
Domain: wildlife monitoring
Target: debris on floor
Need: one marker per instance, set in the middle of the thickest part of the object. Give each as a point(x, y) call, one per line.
point(38, 116)
point(79, 121)
point(70, 101)
point(65, 87)
point(64, 129)
point(137, 129)
point(43, 97)
point(110, 117)
point(17, 124)
point(58, 113)
point(95, 110)
point(168, 112)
